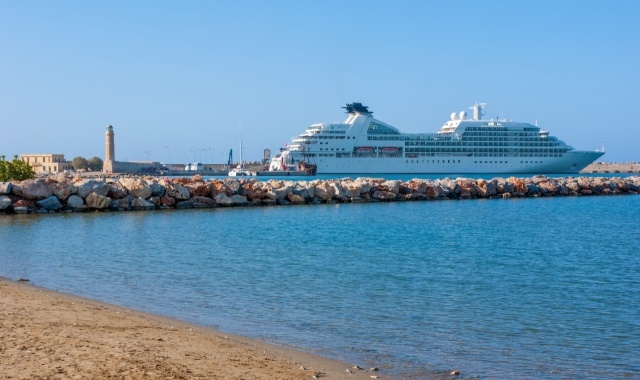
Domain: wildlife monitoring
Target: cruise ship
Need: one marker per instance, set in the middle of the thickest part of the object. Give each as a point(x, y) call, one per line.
point(363, 144)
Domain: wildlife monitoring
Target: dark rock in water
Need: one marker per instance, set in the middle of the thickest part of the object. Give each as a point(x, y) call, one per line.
point(50, 203)
point(4, 202)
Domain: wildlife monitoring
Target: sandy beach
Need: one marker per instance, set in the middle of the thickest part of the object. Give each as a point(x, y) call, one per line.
point(50, 335)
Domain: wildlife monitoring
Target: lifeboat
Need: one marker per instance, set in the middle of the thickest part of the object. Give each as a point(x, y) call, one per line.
point(390, 149)
point(364, 149)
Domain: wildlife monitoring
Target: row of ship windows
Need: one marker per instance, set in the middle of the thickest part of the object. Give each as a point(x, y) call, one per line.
point(463, 150)
point(431, 139)
point(317, 132)
point(500, 134)
point(492, 154)
point(348, 155)
point(475, 162)
point(465, 143)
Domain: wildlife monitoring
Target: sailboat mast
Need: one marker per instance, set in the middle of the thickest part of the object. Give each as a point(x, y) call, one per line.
point(241, 160)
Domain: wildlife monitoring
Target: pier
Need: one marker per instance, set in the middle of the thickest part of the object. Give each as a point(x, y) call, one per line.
point(74, 194)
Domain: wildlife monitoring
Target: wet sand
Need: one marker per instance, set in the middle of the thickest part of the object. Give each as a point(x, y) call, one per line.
point(50, 335)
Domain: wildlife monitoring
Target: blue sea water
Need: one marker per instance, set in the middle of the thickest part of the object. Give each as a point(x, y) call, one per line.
point(545, 288)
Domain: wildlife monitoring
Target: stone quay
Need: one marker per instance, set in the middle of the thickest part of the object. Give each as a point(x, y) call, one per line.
point(75, 194)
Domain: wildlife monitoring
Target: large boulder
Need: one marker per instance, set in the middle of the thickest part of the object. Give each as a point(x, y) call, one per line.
point(49, 203)
point(167, 201)
point(64, 190)
point(117, 191)
point(324, 191)
point(87, 187)
point(199, 189)
point(337, 191)
point(239, 199)
point(97, 201)
point(4, 202)
point(75, 201)
point(233, 185)
point(5, 188)
point(138, 188)
point(295, 198)
point(141, 204)
point(32, 189)
point(223, 200)
point(177, 192)
point(198, 202)
point(157, 189)
point(383, 195)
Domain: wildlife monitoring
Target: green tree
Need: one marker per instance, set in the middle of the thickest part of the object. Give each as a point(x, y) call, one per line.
point(16, 169)
point(95, 164)
point(80, 163)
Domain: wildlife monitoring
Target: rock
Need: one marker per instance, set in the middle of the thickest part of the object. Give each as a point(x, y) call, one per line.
point(5, 188)
point(141, 204)
point(136, 187)
point(239, 199)
point(223, 199)
point(117, 191)
point(4, 202)
point(383, 195)
point(337, 191)
point(233, 185)
point(122, 203)
point(92, 186)
point(324, 191)
point(97, 201)
point(178, 192)
point(64, 190)
point(295, 198)
point(202, 202)
point(75, 201)
point(21, 209)
point(199, 189)
point(32, 189)
point(167, 201)
point(157, 189)
point(49, 203)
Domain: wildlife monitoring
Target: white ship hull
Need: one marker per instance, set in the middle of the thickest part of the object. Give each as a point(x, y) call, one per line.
point(571, 162)
point(365, 145)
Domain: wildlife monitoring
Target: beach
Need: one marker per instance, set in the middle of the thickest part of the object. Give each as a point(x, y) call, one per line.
point(50, 335)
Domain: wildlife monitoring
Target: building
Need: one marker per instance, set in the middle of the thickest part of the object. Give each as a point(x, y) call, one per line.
point(46, 163)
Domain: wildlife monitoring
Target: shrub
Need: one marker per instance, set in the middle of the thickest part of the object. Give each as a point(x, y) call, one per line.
point(16, 170)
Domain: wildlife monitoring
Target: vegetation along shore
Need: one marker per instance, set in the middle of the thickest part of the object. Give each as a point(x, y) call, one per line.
point(64, 193)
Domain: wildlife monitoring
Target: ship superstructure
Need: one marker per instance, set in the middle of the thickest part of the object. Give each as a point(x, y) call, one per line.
point(363, 144)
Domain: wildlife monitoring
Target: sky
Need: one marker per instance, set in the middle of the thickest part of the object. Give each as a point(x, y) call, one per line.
point(188, 80)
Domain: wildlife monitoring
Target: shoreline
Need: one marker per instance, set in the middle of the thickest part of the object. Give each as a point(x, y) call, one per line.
point(49, 334)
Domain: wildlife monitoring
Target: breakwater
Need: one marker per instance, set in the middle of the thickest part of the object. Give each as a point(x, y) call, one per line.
point(69, 194)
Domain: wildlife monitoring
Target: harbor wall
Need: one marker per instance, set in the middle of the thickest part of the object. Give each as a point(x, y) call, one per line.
point(74, 194)
point(606, 167)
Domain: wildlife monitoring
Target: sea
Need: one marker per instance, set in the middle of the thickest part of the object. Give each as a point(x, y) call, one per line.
point(520, 288)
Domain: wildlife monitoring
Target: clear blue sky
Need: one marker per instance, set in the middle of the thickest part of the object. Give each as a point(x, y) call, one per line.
point(185, 74)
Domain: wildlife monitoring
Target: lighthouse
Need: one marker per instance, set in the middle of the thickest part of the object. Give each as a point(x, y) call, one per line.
point(109, 154)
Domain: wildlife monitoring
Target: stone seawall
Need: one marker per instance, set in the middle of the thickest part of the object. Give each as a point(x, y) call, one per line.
point(67, 194)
